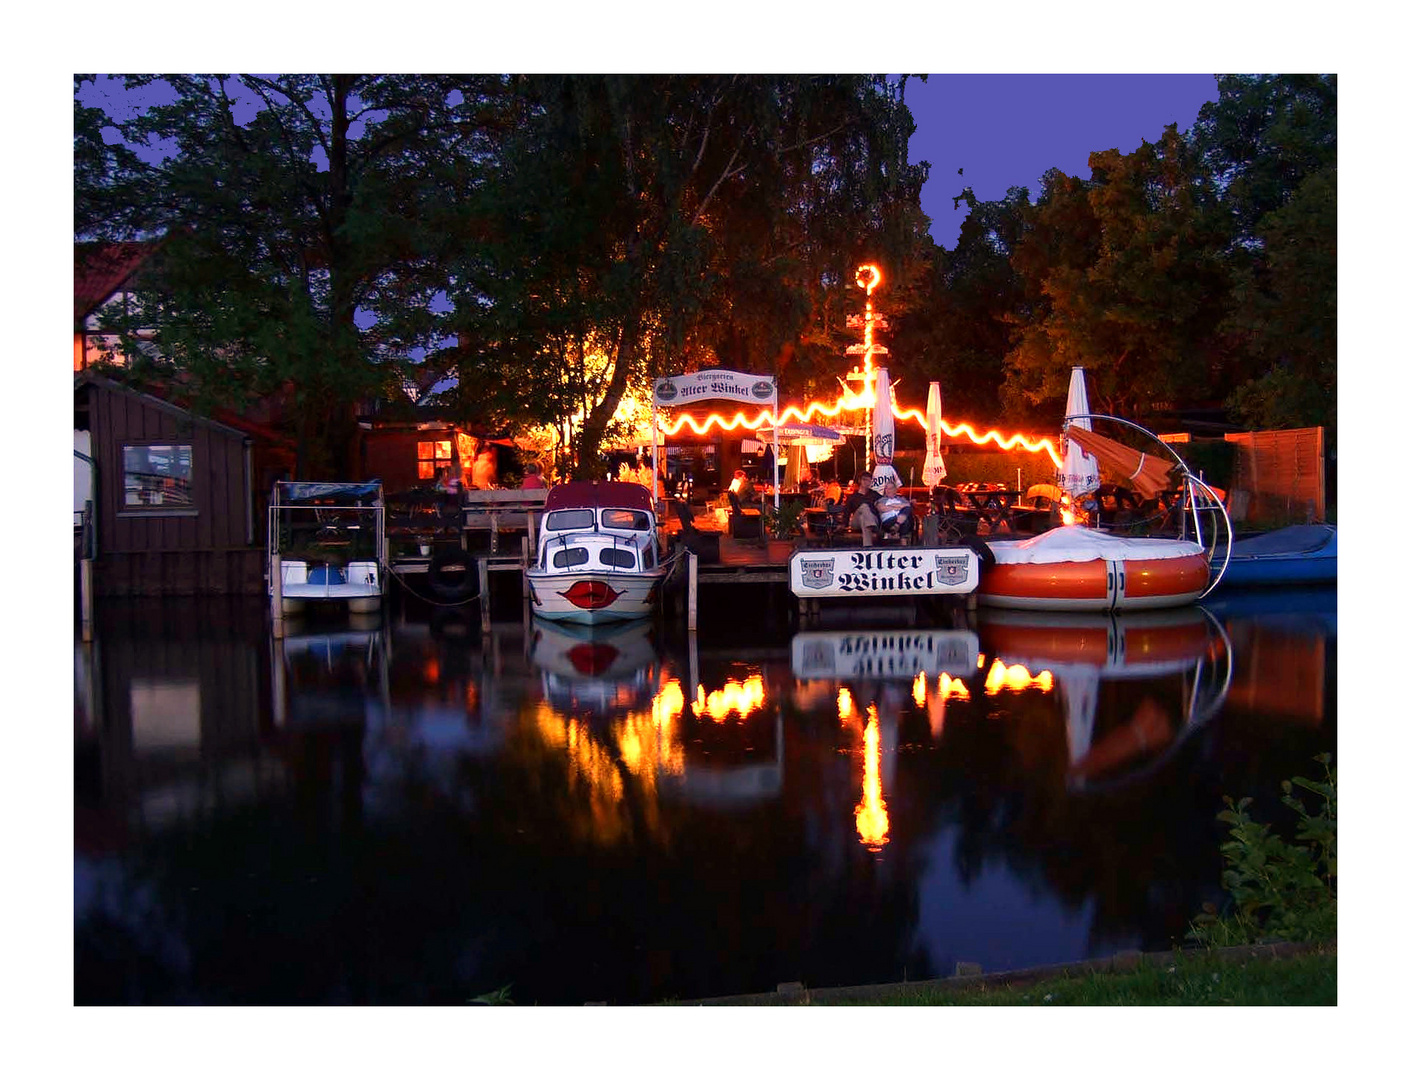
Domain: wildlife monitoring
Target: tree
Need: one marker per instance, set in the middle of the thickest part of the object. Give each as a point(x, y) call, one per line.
point(297, 245)
point(641, 225)
point(1129, 282)
point(1271, 145)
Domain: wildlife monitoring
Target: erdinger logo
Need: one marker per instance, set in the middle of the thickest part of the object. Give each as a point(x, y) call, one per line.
point(762, 390)
point(953, 570)
point(666, 390)
point(882, 448)
point(817, 573)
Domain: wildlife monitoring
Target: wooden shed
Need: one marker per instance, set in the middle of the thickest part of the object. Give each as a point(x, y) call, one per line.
point(172, 499)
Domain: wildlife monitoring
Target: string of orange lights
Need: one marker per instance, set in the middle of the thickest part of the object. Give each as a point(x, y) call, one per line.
point(868, 278)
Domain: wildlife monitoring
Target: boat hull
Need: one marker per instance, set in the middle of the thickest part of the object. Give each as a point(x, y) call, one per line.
point(1299, 555)
point(590, 598)
point(1095, 584)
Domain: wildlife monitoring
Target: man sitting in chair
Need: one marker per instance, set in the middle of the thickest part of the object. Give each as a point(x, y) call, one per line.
point(860, 509)
point(895, 514)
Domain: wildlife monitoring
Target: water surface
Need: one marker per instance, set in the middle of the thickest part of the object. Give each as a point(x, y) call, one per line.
point(401, 810)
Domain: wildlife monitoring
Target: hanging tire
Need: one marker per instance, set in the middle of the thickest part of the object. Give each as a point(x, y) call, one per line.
point(452, 575)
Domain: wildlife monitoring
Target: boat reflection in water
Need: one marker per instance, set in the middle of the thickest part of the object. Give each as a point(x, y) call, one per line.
point(611, 701)
point(1175, 667)
point(874, 671)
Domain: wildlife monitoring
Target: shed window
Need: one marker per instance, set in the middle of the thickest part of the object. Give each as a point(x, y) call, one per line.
point(430, 456)
point(156, 477)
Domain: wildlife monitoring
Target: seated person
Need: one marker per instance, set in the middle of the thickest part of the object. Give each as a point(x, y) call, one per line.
point(860, 509)
point(447, 482)
point(833, 491)
point(744, 488)
point(532, 479)
point(895, 514)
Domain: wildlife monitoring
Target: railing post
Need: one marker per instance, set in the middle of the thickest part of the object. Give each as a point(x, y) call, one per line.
point(276, 594)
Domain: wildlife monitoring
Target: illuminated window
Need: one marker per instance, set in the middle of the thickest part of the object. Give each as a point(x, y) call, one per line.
point(156, 478)
point(430, 456)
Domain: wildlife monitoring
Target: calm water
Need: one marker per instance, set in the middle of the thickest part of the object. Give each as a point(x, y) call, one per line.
point(404, 811)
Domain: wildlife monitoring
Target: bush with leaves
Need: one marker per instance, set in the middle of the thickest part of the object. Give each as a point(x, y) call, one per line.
point(1278, 890)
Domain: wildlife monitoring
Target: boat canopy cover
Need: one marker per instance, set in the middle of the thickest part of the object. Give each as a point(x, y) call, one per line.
point(598, 493)
point(1077, 543)
point(299, 491)
point(1302, 540)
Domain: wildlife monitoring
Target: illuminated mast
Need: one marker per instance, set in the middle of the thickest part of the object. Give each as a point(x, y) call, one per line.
point(868, 278)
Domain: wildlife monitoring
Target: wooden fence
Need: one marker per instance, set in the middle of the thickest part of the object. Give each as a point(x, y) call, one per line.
point(1278, 476)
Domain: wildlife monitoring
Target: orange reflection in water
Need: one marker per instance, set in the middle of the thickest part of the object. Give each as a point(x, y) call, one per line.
point(846, 711)
point(871, 812)
point(741, 698)
point(1002, 677)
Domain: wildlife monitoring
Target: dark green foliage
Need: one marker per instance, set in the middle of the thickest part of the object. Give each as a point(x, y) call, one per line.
point(1279, 889)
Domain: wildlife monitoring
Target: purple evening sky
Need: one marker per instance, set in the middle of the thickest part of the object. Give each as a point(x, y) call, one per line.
point(1008, 130)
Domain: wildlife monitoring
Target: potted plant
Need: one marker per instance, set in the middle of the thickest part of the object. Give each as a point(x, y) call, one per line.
point(781, 526)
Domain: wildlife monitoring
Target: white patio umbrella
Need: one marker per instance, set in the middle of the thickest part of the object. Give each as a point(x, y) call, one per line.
point(1079, 474)
point(934, 471)
point(884, 437)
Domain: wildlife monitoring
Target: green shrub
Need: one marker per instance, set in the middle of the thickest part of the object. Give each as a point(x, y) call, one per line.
point(1278, 889)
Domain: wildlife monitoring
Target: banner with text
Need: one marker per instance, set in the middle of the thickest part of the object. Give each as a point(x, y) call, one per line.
point(706, 385)
point(883, 572)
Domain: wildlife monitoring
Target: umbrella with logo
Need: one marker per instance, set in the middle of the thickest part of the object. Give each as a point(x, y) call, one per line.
point(884, 437)
point(934, 471)
point(1079, 473)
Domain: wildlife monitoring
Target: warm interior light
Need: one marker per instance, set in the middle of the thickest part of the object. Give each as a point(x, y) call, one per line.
point(845, 707)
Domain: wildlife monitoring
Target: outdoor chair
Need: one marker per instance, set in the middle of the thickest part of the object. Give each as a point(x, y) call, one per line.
point(746, 522)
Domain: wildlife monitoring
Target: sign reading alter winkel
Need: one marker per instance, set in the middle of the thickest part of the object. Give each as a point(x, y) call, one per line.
point(717, 383)
point(880, 571)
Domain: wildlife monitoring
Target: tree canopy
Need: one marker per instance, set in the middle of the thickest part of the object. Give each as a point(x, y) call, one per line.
point(549, 241)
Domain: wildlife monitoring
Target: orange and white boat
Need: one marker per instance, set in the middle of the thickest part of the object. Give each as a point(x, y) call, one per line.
point(1076, 568)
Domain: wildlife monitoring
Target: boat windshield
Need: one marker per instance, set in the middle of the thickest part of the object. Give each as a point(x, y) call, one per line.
point(626, 519)
point(578, 518)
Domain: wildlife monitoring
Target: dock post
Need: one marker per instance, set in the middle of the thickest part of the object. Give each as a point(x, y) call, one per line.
point(85, 589)
point(276, 594)
point(692, 585)
point(524, 550)
point(483, 565)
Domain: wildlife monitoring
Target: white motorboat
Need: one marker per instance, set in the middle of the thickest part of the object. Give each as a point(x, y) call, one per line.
point(599, 557)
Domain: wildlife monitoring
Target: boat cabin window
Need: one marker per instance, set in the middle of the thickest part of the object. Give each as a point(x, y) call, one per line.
point(569, 519)
point(626, 519)
point(623, 557)
point(566, 557)
point(156, 478)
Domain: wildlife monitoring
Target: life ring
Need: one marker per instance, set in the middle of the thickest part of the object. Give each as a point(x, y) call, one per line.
point(452, 575)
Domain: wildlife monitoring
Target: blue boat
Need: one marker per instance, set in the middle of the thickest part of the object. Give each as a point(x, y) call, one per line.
point(1297, 555)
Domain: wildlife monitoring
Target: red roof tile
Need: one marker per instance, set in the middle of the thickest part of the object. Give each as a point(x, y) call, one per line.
point(101, 269)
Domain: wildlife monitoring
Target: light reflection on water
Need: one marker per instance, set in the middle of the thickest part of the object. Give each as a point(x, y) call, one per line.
point(627, 815)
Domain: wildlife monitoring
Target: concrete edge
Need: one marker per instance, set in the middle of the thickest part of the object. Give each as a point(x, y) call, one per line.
point(797, 993)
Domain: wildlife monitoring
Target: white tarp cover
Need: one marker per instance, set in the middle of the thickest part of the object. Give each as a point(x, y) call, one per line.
point(1077, 543)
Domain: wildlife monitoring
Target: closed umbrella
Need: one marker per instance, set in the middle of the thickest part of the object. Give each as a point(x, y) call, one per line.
point(934, 471)
point(1146, 475)
point(1079, 475)
point(884, 436)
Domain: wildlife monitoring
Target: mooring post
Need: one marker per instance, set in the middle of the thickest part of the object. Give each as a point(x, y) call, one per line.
point(483, 564)
point(524, 569)
point(276, 594)
point(692, 584)
point(85, 589)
